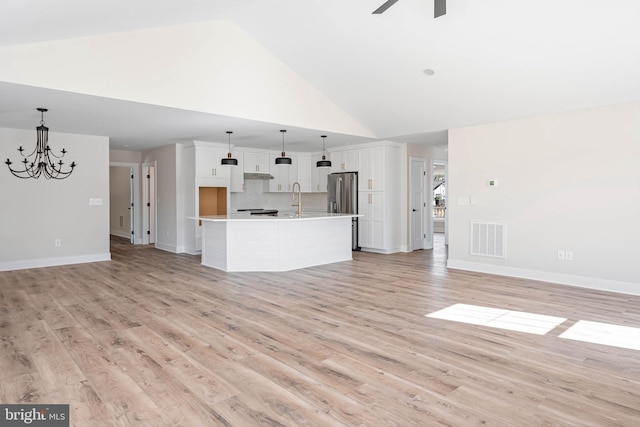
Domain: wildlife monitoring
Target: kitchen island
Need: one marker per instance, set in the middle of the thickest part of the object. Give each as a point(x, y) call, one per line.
point(244, 242)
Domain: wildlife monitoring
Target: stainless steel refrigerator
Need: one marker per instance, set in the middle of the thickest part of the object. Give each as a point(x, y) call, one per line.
point(342, 197)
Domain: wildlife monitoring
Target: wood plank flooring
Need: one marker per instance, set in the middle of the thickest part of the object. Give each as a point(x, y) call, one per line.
point(155, 339)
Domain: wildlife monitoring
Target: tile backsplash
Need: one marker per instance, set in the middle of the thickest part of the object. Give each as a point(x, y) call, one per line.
point(257, 195)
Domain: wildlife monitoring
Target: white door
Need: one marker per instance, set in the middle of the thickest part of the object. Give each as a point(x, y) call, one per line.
point(420, 238)
point(131, 208)
point(149, 204)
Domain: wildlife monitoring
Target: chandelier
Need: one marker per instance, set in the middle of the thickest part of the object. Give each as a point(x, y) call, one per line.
point(42, 161)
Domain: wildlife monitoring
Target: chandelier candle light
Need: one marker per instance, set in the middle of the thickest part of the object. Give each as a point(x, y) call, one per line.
point(40, 161)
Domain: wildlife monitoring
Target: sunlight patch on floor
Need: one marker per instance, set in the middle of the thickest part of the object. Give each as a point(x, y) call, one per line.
point(604, 333)
point(519, 321)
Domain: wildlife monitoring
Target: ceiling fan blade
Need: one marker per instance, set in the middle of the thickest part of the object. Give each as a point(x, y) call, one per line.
point(439, 8)
point(386, 5)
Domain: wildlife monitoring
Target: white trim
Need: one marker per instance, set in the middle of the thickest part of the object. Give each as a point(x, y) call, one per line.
point(546, 276)
point(382, 251)
point(136, 225)
point(169, 247)
point(122, 234)
point(52, 262)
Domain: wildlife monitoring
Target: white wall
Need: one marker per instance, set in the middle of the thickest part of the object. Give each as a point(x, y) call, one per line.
point(428, 152)
point(34, 213)
point(214, 67)
point(566, 181)
point(121, 156)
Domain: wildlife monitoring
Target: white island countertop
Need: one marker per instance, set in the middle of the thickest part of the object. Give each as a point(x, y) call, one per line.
point(244, 242)
point(281, 216)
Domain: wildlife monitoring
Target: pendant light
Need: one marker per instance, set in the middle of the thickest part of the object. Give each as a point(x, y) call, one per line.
point(324, 163)
point(229, 161)
point(283, 160)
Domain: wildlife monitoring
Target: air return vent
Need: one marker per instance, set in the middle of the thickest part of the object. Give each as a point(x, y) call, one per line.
point(488, 239)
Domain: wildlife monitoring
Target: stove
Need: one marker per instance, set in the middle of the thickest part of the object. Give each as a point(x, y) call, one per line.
point(270, 212)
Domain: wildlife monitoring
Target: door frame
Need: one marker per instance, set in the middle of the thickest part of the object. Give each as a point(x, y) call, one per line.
point(446, 192)
point(427, 226)
point(135, 197)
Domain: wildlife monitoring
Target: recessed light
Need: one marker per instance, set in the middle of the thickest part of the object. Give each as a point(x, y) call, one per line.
point(429, 72)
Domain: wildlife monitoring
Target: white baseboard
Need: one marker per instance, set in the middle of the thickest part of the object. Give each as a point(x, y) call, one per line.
point(545, 276)
point(380, 251)
point(124, 234)
point(52, 262)
point(167, 247)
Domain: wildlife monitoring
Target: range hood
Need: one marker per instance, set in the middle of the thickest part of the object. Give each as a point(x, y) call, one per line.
point(257, 175)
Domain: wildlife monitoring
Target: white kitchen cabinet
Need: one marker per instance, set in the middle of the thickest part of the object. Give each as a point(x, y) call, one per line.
point(293, 171)
point(371, 175)
point(304, 173)
point(371, 226)
point(280, 182)
point(381, 184)
point(256, 162)
point(318, 176)
point(237, 174)
point(344, 161)
point(208, 162)
point(202, 175)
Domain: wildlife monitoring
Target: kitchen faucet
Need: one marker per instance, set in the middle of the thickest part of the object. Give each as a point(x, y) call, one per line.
point(293, 198)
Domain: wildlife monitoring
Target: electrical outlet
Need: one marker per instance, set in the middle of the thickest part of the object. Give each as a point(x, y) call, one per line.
point(568, 255)
point(58, 243)
point(561, 255)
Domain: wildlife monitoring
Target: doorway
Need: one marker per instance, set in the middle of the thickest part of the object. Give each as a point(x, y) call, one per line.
point(420, 231)
point(439, 190)
point(121, 205)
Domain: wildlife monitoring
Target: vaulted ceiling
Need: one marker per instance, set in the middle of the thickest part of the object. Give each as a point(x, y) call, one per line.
point(319, 67)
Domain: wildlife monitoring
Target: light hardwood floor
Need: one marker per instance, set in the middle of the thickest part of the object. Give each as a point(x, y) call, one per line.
point(155, 339)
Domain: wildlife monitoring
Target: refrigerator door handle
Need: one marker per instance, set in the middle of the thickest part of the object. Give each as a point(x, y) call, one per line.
point(339, 195)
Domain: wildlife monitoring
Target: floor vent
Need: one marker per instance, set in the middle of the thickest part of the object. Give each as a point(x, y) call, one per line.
point(488, 239)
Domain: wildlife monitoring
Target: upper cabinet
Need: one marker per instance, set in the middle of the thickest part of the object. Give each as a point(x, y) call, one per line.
point(208, 162)
point(371, 176)
point(344, 161)
point(318, 176)
point(237, 174)
point(304, 173)
point(312, 179)
point(283, 175)
point(256, 162)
